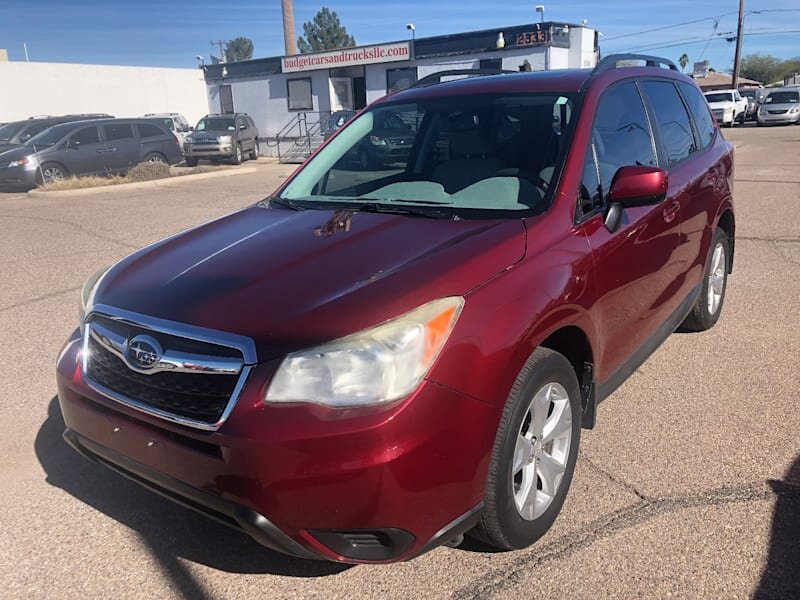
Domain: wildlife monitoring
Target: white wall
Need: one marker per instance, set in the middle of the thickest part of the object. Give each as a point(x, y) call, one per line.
point(36, 88)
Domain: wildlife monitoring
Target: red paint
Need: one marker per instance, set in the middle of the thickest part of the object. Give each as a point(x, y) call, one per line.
point(420, 462)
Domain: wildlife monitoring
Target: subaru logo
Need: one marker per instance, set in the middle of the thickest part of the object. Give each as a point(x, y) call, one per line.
point(144, 352)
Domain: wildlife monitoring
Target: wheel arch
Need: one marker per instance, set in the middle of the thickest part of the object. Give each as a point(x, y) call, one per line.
point(572, 342)
point(60, 165)
point(727, 222)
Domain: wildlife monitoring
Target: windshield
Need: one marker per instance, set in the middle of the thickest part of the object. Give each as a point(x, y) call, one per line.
point(783, 98)
point(216, 124)
point(467, 156)
point(9, 130)
point(50, 136)
point(720, 97)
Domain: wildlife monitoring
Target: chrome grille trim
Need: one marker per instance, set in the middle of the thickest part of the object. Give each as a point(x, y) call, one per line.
point(245, 345)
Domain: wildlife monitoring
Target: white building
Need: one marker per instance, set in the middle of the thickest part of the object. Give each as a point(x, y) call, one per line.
point(283, 92)
point(38, 88)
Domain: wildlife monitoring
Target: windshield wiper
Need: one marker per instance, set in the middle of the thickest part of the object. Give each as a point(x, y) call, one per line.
point(290, 204)
point(406, 201)
point(375, 207)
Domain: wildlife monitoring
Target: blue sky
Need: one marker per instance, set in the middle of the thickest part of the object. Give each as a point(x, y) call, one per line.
point(171, 32)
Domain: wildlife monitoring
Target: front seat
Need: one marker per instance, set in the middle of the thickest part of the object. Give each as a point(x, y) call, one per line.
point(469, 161)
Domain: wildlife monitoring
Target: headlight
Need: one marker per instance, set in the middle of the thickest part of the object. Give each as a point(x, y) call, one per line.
point(376, 141)
point(794, 110)
point(29, 162)
point(374, 366)
point(225, 139)
point(89, 288)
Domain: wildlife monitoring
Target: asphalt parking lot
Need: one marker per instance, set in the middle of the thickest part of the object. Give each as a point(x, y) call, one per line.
point(689, 486)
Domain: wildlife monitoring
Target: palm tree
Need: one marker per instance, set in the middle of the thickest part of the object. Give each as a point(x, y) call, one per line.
point(683, 61)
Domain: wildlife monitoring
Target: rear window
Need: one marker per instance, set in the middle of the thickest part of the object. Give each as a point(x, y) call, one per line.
point(720, 97)
point(699, 109)
point(149, 131)
point(118, 131)
point(783, 98)
point(673, 120)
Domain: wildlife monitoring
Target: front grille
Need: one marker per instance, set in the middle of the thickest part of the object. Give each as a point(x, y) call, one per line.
point(778, 112)
point(198, 397)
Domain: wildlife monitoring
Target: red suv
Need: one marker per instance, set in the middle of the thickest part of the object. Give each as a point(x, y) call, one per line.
point(381, 357)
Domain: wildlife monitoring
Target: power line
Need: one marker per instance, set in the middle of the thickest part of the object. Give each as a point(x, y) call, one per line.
point(714, 17)
point(693, 41)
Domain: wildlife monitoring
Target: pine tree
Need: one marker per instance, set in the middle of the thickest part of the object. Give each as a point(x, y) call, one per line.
point(240, 48)
point(324, 32)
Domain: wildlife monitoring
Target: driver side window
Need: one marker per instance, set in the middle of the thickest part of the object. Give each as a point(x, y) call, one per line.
point(621, 136)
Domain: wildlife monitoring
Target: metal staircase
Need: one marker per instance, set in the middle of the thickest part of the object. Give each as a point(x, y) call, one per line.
point(301, 136)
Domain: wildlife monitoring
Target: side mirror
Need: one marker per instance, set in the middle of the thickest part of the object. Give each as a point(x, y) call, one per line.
point(634, 186)
point(191, 129)
point(74, 145)
point(638, 186)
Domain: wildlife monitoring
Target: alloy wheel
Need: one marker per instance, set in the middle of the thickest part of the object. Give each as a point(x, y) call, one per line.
point(716, 279)
point(52, 174)
point(541, 452)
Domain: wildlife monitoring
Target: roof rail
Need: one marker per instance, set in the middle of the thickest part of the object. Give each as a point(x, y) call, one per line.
point(611, 62)
point(435, 78)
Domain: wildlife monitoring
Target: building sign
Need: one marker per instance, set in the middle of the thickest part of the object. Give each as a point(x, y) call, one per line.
point(346, 57)
point(533, 38)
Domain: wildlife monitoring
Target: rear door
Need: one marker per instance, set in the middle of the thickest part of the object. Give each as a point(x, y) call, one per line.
point(84, 152)
point(692, 181)
point(636, 268)
point(123, 147)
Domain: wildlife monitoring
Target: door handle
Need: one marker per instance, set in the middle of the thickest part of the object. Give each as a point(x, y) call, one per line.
point(671, 211)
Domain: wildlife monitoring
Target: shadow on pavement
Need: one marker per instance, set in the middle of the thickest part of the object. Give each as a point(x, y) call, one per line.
point(169, 530)
point(781, 576)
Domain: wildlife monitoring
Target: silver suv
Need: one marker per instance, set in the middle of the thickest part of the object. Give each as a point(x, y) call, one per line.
point(222, 137)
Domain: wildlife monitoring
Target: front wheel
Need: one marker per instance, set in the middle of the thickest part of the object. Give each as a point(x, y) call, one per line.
point(708, 306)
point(237, 155)
point(534, 454)
point(50, 173)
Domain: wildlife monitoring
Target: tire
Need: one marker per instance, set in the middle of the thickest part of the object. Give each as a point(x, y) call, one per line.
point(191, 162)
point(518, 460)
point(50, 173)
point(238, 157)
point(254, 151)
point(706, 310)
point(156, 157)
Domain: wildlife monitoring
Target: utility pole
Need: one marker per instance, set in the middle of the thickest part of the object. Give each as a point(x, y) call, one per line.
point(737, 60)
point(221, 44)
point(289, 41)
point(25, 47)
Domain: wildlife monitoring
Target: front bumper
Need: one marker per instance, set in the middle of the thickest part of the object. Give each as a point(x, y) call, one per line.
point(372, 485)
point(208, 150)
point(17, 178)
point(724, 117)
point(768, 119)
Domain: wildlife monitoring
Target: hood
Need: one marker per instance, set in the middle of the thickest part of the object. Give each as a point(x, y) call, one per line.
point(295, 279)
point(5, 146)
point(14, 152)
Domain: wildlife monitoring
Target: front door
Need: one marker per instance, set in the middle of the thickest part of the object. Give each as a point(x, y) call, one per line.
point(636, 266)
point(84, 152)
point(341, 93)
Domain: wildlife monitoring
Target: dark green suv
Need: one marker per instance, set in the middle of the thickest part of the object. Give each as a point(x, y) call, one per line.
point(222, 137)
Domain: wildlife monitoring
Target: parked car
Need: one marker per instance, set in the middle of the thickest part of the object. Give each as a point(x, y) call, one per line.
point(222, 137)
point(728, 106)
point(175, 122)
point(336, 121)
point(780, 106)
point(16, 133)
point(92, 147)
point(368, 364)
point(390, 143)
point(754, 97)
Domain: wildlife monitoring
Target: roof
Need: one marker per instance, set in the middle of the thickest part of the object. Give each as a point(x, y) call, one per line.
point(722, 80)
point(470, 42)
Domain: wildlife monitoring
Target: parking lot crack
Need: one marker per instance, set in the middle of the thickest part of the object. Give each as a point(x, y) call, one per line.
point(75, 226)
point(614, 479)
point(38, 299)
point(500, 580)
